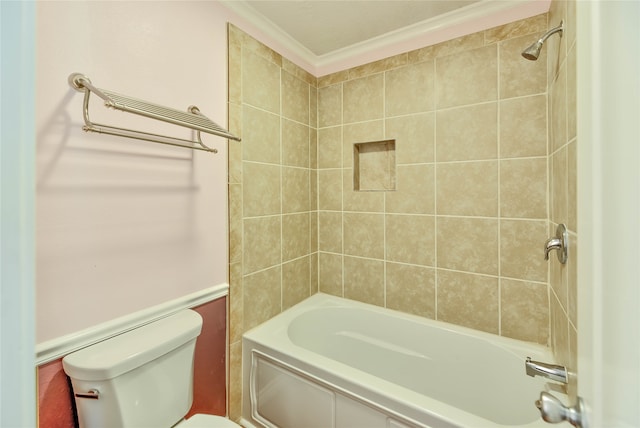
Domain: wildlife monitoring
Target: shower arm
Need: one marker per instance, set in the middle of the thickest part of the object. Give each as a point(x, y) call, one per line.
point(559, 28)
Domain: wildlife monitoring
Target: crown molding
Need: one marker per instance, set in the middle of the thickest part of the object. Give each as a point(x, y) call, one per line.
point(469, 19)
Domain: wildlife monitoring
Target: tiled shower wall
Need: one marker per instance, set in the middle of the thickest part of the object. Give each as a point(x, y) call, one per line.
point(460, 239)
point(563, 183)
point(272, 213)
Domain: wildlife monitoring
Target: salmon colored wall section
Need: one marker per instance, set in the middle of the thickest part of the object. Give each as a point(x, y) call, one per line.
point(209, 383)
point(56, 407)
point(55, 400)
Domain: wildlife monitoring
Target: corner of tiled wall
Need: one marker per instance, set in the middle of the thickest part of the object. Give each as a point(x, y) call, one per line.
point(272, 188)
point(562, 100)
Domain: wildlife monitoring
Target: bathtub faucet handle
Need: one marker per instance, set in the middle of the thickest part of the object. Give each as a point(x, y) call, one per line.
point(560, 243)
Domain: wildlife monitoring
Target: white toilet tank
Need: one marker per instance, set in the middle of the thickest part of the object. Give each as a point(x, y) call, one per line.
point(141, 378)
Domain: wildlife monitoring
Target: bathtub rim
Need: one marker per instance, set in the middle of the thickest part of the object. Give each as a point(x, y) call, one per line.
point(273, 340)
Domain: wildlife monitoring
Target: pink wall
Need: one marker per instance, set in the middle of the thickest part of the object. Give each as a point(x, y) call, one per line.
point(123, 225)
point(55, 397)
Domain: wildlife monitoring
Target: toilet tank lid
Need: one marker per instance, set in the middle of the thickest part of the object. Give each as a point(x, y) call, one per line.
point(127, 351)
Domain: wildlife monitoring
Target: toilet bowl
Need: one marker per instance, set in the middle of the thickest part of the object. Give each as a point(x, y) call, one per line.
point(141, 378)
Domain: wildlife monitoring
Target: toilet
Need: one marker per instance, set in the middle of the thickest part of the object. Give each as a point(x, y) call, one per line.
point(141, 378)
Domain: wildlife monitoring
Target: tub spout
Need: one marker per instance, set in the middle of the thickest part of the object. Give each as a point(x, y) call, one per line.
point(550, 371)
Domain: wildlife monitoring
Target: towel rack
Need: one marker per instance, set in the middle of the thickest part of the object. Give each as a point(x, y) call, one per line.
point(192, 118)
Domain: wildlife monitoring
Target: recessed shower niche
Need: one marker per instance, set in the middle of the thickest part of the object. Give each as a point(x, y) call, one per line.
point(374, 166)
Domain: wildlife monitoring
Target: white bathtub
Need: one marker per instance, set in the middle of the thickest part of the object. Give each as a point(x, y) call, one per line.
point(332, 362)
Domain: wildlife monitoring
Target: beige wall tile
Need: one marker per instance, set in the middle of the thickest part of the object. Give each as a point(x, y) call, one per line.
point(414, 136)
point(234, 68)
point(524, 310)
point(330, 147)
point(313, 230)
point(477, 84)
point(363, 99)
point(521, 249)
point(313, 148)
point(558, 117)
point(235, 150)
point(295, 98)
point(235, 381)
point(409, 89)
point(333, 78)
point(295, 236)
point(330, 190)
point(572, 96)
point(415, 191)
point(313, 107)
point(449, 47)
point(364, 280)
point(295, 282)
point(295, 190)
point(330, 231)
point(467, 133)
point(330, 106)
point(378, 66)
point(330, 274)
point(559, 333)
point(295, 70)
point(261, 136)
point(314, 273)
point(523, 123)
point(411, 289)
point(262, 296)
point(360, 201)
point(235, 223)
point(559, 187)
point(572, 186)
point(522, 27)
point(519, 76)
point(467, 188)
point(364, 235)
point(410, 239)
point(260, 82)
point(295, 144)
point(261, 189)
point(313, 189)
point(468, 300)
point(359, 133)
point(262, 244)
point(572, 280)
point(236, 308)
point(523, 188)
point(468, 244)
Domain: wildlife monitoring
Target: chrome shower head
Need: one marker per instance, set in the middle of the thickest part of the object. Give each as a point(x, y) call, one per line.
point(533, 52)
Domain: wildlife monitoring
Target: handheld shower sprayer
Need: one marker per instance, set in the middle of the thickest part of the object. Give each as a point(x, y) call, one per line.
point(532, 52)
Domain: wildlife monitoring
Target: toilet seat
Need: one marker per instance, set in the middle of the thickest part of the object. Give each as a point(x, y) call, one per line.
point(207, 421)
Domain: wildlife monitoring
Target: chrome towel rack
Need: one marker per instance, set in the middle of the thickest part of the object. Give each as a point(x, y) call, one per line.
point(192, 118)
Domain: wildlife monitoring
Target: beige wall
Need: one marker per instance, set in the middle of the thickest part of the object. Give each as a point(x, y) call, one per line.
point(272, 218)
point(459, 240)
point(563, 183)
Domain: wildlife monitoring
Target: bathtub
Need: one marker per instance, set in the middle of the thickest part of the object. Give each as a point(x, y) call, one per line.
point(332, 362)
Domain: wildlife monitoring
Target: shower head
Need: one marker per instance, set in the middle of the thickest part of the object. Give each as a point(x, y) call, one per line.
point(533, 52)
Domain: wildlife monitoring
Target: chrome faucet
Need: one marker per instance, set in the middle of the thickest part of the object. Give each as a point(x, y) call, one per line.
point(550, 371)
